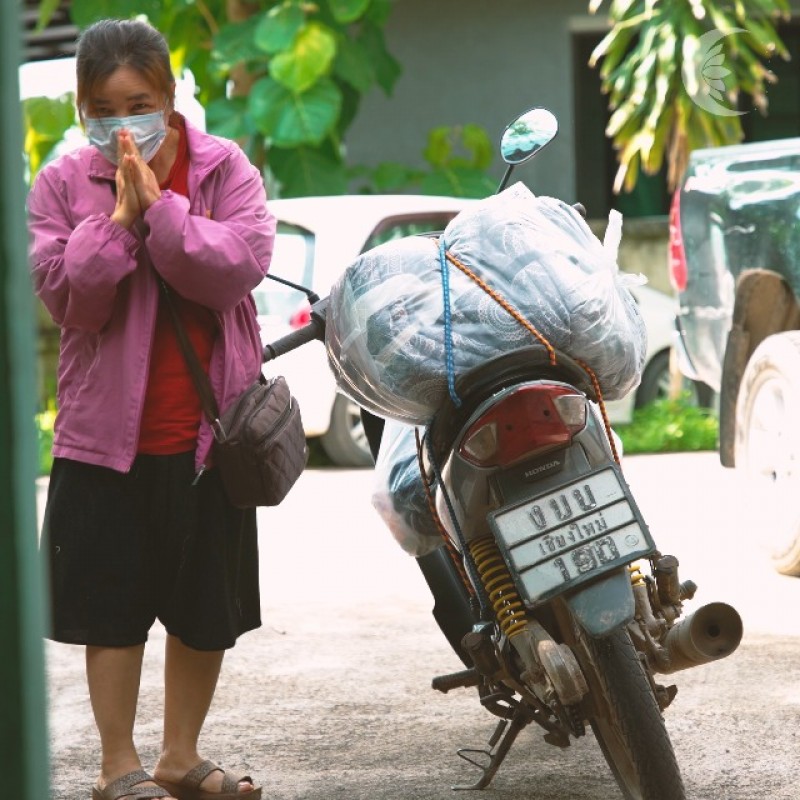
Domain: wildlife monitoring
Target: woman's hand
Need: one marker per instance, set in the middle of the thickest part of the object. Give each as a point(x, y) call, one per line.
point(144, 179)
point(128, 206)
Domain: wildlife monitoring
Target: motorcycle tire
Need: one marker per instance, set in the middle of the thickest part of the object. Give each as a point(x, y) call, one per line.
point(629, 726)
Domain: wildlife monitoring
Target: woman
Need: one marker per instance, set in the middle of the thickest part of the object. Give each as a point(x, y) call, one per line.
point(137, 526)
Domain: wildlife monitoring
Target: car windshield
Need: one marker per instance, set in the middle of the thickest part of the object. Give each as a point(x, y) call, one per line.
point(292, 259)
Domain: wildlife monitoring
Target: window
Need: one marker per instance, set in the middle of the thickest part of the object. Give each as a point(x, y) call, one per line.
point(595, 158)
point(783, 112)
point(399, 227)
point(292, 259)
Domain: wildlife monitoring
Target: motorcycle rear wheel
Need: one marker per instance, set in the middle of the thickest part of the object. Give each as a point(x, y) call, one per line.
point(629, 727)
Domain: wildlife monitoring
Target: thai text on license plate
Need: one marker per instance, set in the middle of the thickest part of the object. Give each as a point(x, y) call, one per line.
point(571, 534)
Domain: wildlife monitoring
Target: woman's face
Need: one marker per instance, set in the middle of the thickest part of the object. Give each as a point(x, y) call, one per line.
point(125, 93)
point(126, 100)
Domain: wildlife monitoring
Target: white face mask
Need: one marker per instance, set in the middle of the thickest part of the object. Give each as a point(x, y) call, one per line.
point(148, 131)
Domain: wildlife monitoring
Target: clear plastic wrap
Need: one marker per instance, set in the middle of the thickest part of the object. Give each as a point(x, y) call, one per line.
point(399, 494)
point(385, 329)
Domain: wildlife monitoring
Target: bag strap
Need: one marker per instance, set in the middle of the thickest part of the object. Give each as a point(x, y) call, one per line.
point(199, 377)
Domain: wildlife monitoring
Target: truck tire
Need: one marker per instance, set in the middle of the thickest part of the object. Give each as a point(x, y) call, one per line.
point(767, 441)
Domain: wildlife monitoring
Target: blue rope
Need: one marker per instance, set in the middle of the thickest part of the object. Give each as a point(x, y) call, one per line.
point(448, 329)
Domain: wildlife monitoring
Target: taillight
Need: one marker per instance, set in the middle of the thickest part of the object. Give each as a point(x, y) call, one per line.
point(300, 317)
point(677, 254)
point(531, 420)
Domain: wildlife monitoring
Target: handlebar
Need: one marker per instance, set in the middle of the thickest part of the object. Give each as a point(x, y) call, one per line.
point(315, 329)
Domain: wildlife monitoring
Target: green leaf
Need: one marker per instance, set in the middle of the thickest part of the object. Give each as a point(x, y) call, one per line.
point(84, 12)
point(309, 58)
point(387, 69)
point(439, 147)
point(212, 86)
point(188, 36)
point(478, 142)
point(353, 66)
point(347, 11)
point(390, 177)
point(612, 48)
point(289, 119)
point(459, 146)
point(229, 117)
point(46, 10)
point(654, 158)
point(235, 43)
point(46, 121)
point(278, 27)
point(50, 117)
point(458, 182)
point(379, 12)
point(349, 108)
point(304, 171)
point(766, 38)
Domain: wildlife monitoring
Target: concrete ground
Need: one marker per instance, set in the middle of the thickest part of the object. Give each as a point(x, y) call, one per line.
point(331, 698)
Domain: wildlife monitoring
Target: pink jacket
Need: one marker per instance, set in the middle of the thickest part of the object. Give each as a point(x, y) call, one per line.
point(213, 248)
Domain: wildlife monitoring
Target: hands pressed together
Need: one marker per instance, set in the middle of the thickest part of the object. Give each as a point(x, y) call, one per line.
point(137, 186)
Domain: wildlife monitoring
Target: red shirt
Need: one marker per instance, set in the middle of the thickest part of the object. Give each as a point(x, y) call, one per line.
point(172, 413)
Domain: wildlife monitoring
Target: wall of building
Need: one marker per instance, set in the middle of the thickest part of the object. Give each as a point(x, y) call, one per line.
point(476, 61)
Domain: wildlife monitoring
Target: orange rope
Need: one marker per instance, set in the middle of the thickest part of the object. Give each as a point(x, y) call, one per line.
point(503, 303)
point(602, 403)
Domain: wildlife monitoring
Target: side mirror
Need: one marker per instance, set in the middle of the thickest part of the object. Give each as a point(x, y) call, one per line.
point(527, 134)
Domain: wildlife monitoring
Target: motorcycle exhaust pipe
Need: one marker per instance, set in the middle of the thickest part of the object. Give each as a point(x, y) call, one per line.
point(712, 632)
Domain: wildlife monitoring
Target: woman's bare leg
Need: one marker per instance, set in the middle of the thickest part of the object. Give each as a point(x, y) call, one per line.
point(114, 675)
point(190, 679)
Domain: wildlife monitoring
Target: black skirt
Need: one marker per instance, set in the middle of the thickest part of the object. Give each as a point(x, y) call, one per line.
point(127, 549)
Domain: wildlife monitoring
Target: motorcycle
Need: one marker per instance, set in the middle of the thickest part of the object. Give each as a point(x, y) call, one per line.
point(542, 586)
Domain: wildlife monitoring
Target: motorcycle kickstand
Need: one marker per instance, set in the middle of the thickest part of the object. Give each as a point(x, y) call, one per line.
point(505, 733)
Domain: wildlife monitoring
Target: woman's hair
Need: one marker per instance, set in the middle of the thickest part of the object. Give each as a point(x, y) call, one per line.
point(112, 43)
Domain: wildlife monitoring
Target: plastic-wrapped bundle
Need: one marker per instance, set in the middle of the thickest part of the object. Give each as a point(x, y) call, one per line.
point(399, 494)
point(386, 338)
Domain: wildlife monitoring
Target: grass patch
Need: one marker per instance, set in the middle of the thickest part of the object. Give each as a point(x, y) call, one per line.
point(670, 426)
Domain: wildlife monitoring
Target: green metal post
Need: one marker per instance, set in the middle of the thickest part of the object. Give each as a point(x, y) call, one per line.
point(24, 762)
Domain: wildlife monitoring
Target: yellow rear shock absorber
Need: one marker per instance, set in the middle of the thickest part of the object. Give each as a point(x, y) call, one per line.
point(499, 586)
point(636, 574)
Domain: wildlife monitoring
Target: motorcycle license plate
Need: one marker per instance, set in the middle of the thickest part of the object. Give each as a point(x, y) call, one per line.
point(566, 536)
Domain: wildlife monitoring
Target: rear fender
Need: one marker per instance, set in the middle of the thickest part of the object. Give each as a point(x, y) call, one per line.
point(604, 605)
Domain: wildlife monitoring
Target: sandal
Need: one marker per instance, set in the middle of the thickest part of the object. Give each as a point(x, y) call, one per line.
point(126, 787)
point(188, 787)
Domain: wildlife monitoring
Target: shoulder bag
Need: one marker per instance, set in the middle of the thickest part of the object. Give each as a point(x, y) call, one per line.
point(260, 445)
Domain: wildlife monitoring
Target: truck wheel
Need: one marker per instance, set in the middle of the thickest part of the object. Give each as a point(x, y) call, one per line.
point(345, 441)
point(767, 441)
